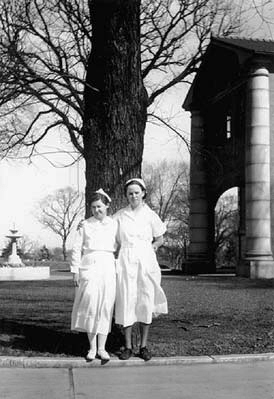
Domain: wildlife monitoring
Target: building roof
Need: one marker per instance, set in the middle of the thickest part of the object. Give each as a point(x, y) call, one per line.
point(222, 65)
point(254, 45)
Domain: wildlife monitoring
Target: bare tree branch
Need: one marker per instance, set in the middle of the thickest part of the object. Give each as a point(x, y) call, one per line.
point(45, 48)
point(60, 212)
point(172, 128)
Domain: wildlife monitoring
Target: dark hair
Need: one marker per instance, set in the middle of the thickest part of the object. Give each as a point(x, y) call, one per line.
point(99, 197)
point(138, 184)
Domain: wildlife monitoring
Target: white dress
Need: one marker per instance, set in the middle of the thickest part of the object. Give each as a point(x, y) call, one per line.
point(93, 259)
point(139, 294)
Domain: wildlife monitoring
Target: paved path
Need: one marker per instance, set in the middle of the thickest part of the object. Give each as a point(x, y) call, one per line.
point(225, 380)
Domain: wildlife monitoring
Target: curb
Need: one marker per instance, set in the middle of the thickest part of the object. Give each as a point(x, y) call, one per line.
point(69, 363)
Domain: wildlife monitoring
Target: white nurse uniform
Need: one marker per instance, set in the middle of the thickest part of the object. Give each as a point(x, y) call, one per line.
point(139, 293)
point(93, 259)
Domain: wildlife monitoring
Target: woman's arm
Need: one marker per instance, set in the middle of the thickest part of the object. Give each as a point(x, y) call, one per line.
point(76, 279)
point(76, 256)
point(157, 242)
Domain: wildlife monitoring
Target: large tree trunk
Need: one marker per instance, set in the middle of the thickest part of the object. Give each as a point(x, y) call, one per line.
point(115, 99)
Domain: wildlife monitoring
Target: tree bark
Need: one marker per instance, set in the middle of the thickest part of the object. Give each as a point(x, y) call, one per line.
point(115, 99)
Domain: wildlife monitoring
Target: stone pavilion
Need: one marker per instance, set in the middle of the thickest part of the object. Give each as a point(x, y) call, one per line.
point(231, 101)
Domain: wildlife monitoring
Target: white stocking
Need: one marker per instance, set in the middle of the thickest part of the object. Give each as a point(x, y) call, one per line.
point(101, 341)
point(92, 341)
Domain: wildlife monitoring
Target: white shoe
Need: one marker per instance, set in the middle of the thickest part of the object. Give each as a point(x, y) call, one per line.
point(91, 354)
point(102, 353)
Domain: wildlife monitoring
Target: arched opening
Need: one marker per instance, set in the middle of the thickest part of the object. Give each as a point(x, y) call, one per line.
point(226, 241)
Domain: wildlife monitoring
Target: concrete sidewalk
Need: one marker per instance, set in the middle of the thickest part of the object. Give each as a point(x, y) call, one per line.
point(80, 362)
point(221, 377)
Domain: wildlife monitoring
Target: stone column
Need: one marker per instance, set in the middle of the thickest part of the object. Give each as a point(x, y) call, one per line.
point(242, 269)
point(198, 259)
point(257, 175)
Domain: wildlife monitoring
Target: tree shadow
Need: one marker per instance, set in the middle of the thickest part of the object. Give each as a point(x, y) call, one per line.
point(244, 283)
point(45, 340)
point(228, 282)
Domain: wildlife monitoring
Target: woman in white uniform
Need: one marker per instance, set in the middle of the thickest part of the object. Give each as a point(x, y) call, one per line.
point(139, 293)
point(93, 268)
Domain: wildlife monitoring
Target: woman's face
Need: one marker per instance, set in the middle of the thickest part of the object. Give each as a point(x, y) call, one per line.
point(99, 209)
point(135, 195)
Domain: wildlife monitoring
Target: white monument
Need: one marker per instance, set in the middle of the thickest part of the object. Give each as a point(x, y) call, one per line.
point(14, 259)
point(15, 269)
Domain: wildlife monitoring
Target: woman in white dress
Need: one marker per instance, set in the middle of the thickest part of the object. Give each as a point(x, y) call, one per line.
point(139, 294)
point(93, 268)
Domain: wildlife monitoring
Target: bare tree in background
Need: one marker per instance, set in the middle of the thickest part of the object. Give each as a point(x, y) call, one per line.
point(92, 70)
point(29, 248)
point(167, 193)
point(60, 212)
point(226, 231)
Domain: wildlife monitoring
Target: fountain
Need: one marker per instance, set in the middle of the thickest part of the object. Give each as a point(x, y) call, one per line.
point(15, 269)
point(14, 259)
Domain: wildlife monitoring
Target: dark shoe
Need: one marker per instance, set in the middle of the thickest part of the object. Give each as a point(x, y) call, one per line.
point(145, 354)
point(126, 354)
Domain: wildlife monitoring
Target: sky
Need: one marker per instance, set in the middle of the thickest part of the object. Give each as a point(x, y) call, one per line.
point(23, 184)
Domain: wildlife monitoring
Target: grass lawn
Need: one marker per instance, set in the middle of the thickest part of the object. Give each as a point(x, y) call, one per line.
point(207, 316)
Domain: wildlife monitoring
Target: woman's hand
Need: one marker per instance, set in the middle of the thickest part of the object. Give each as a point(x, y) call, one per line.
point(80, 224)
point(76, 279)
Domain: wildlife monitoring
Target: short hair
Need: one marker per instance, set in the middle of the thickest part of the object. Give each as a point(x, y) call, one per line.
point(138, 184)
point(99, 197)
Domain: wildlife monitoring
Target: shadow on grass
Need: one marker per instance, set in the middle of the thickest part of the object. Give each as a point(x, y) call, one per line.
point(221, 282)
point(237, 283)
point(39, 340)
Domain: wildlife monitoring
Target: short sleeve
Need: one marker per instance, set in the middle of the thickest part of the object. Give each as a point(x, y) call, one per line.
point(158, 227)
point(76, 254)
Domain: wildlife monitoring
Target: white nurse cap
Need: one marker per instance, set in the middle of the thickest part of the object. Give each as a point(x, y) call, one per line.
point(102, 192)
point(140, 181)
